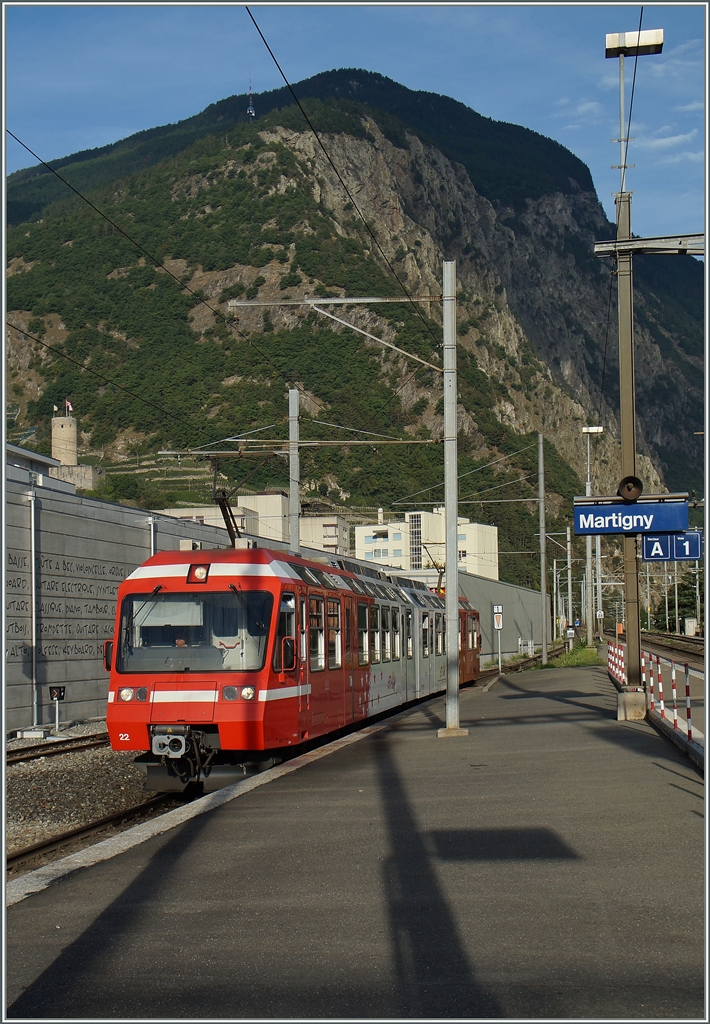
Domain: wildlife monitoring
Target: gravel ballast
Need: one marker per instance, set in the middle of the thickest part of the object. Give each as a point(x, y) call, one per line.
point(50, 795)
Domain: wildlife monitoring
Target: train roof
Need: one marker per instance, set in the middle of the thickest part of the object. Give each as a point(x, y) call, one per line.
point(330, 572)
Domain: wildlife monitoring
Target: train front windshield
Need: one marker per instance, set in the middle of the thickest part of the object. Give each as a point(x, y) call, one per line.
point(197, 632)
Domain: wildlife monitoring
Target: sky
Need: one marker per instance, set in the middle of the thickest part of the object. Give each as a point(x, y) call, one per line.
point(80, 76)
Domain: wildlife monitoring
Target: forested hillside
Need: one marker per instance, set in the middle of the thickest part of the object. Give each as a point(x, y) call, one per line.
point(255, 211)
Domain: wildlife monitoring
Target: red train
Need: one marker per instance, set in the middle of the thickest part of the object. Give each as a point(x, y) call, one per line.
point(221, 659)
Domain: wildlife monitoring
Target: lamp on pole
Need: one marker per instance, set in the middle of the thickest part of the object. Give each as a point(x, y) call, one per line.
point(621, 45)
point(590, 585)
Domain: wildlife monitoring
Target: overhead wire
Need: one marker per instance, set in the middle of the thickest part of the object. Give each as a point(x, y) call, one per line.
point(351, 198)
point(217, 313)
point(469, 472)
point(104, 378)
point(623, 182)
point(340, 179)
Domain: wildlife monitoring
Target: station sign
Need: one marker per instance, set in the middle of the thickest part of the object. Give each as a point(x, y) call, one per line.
point(673, 547)
point(619, 516)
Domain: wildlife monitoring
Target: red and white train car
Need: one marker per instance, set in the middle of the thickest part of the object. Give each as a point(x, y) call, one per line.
point(222, 659)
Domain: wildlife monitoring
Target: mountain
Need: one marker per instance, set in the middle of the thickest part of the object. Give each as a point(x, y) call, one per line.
point(505, 162)
point(255, 210)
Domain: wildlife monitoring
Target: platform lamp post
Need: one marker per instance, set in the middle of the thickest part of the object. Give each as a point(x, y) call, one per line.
point(621, 45)
point(590, 583)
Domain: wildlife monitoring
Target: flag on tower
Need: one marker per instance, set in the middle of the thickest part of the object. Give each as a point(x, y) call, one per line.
point(56, 408)
point(70, 407)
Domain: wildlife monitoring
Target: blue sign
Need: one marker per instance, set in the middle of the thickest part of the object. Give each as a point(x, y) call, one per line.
point(688, 546)
point(658, 547)
point(673, 547)
point(631, 517)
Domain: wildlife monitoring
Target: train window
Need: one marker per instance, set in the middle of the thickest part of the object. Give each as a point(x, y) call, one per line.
point(286, 629)
point(396, 638)
point(316, 630)
point(375, 634)
point(363, 647)
point(386, 635)
point(203, 632)
point(438, 618)
point(425, 634)
point(471, 632)
point(460, 633)
point(304, 634)
point(408, 636)
point(335, 658)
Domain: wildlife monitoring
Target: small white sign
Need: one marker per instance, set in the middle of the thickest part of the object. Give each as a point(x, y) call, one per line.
point(497, 609)
point(570, 633)
point(497, 620)
point(600, 613)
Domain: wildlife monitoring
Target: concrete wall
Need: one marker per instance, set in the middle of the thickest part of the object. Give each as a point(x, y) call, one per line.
point(84, 548)
point(521, 613)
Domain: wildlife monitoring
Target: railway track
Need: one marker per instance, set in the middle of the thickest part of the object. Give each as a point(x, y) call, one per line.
point(670, 642)
point(163, 801)
point(159, 803)
point(52, 749)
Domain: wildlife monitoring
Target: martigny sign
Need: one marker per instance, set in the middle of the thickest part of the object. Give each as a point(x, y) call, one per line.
point(620, 516)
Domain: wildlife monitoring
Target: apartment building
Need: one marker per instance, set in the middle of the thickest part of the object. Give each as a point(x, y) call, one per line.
point(418, 541)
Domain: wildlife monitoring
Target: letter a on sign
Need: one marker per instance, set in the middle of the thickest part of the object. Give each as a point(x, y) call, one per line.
point(657, 551)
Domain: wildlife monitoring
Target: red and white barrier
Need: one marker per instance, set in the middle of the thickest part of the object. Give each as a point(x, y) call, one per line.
point(675, 696)
point(616, 662)
point(660, 686)
point(687, 704)
point(650, 681)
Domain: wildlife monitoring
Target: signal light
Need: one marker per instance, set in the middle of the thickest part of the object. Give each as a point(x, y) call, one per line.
point(198, 573)
point(229, 693)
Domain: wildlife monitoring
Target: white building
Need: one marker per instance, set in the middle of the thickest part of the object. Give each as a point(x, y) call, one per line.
point(418, 541)
point(266, 516)
point(329, 533)
point(210, 515)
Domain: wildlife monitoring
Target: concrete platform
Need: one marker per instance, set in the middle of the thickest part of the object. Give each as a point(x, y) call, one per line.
point(547, 865)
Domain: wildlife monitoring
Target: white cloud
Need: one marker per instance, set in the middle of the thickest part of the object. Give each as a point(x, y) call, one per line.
point(588, 108)
point(690, 107)
point(668, 142)
point(684, 158)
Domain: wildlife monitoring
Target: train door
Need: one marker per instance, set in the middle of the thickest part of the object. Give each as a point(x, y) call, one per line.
point(304, 689)
point(426, 658)
point(349, 661)
point(335, 683)
point(317, 661)
point(411, 663)
point(361, 660)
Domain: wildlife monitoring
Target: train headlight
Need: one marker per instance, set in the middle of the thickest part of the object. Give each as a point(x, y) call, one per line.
point(248, 693)
point(229, 693)
point(126, 693)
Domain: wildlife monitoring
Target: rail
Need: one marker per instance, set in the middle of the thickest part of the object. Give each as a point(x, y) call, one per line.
point(669, 641)
point(28, 853)
point(52, 749)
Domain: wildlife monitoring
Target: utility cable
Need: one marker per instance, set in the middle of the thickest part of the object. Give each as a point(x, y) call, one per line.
point(340, 179)
point(469, 472)
point(106, 380)
point(160, 266)
point(631, 101)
